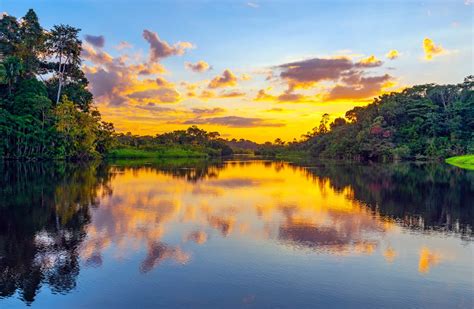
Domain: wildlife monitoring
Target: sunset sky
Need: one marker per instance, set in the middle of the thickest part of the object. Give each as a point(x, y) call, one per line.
point(257, 69)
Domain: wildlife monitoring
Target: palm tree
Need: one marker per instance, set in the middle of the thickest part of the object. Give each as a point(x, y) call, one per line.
point(13, 68)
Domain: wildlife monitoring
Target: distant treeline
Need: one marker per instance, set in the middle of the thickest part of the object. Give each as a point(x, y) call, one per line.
point(421, 122)
point(192, 139)
point(46, 111)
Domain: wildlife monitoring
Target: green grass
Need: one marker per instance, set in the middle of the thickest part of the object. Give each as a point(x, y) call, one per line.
point(292, 155)
point(162, 152)
point(466, 161)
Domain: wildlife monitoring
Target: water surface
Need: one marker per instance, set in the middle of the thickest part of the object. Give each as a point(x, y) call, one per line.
point(235, 234)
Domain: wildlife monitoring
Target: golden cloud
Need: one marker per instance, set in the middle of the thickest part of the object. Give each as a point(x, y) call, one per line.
point(392, 54)
point(200, 66)
point(227, 79)
point(370, 61)
point(431, 49)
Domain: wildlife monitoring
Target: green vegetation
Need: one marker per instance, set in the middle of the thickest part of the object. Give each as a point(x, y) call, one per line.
point(158, 152)
point(46, 111)
point(192, 142)
point(423, 122)
point(466, 161)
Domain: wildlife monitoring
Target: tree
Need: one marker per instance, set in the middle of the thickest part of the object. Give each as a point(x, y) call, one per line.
point(77, 131)
point(64, 45)
point(13, 68)
point(31, 44)
point(9, 35)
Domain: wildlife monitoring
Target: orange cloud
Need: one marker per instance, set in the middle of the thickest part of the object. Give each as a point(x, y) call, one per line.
point(97, 57)
point(370, 61)
point(231, 94)
point(287, 96)
point(207, 111)
point(227, 79)
point(148, 68)
point(235, 122)
point(358, 87)
point(431, 49)
point(392, 54)
point(161, 95)
point(245, 77)
point(200, 66)
point(209, 94)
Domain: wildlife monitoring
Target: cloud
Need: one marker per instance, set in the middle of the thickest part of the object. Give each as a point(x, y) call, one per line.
point(148, 68)
point(209, 94)
point(358, 87)
point(161, 49)
point(369, 62)
point(231, 94)
point(113, 81)
point(245, 77)
point(227, 79)
point(152, 107)
point(198, 67)
point(311, 71)
point(160, 81)
point(97, 41)
point(97, 57)
point(342, 77)
point(308, 72)
point(431, 49)
point(206, 94)
point(287, 96)
point(235, 121)
point(123, 45)
point(162, 95)
point(392, 54)
point(275, 110)
point(253, 5)
point(207, 111)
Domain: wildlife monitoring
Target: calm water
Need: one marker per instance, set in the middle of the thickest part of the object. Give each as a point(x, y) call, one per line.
point(236, 234)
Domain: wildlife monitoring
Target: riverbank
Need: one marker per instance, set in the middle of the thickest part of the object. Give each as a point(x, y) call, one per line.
point(466, 161)
point(162, 152)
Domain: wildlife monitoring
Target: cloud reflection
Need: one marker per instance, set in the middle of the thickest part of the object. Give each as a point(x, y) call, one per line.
point(276, 202)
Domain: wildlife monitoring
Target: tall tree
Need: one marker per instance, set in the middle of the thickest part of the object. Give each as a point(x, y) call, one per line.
point(9, 35)
point(64, 45)
point(32, 42)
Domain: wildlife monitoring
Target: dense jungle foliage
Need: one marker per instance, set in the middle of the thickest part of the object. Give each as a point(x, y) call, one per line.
point(46, 110)
point(192, 142)
point(421, 122)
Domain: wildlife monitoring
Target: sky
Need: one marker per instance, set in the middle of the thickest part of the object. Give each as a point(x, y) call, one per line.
point(257, 70)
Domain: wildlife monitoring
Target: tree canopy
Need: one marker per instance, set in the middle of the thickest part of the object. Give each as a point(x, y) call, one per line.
point(421, 122)
point(46, 110)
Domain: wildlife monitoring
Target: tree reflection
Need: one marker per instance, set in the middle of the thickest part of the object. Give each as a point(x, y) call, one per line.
point(43, 212)
point(193, 170)
point(417, 196)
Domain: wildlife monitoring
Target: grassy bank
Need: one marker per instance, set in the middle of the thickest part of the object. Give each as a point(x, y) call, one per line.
point(162, 152)
point(466, 161)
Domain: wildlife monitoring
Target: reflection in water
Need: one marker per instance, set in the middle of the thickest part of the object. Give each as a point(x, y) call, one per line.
point(54, 219)
point(427, 260)
point(43, 213)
